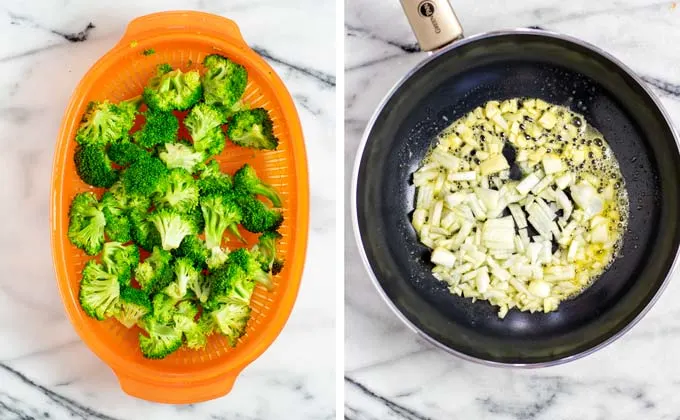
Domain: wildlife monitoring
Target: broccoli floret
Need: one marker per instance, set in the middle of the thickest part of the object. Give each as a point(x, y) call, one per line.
point(257, 217)
point(134, 305)
point(217, 258)
point(99, 291)
point(143, 232)
point(94, 166)
point(163, 307)
point(173, 90)
point(185, 274)
point(206, 323)
point(212, 181)
point(181, 155)
point(193, 333)
point(104, 122)
point(160, 127)
point(252, 128)
point(224, 81)
point(120, 260)
point(129, 202)
point(117, 222)
point(155, 272)
point(86, 223)
point(246, 180)
point(173, 226)
point(265, 251)
point(145, 176)
point(231, 320)
point(220, 213)
point(180, 192)
point(193, 248)
point(229, 283)
point(125, 152)
point(196, 215)
point(204, 123)
point(162, 340)
point(251, 266)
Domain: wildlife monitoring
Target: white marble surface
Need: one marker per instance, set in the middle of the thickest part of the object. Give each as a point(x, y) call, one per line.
point(391, 374)
point(45, 370)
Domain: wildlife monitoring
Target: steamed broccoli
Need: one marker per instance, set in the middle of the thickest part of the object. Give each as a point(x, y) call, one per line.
point(127, 201)
point(94, 166)
point(212, 181)
point(125, 152)
point(183, 319)
point(162, 340)
point(134, 305)
point(120, 260)
point(104, 122)
point(173, 226)
point(224, 81)
point(217, 258)
point(230, 283)
point(179, 192)
point(246, 180)
point(265, 252)
point(220, 213)
point(143, 232)
point(231, 320)
point(181, 155)
point(163, 307)
point(173, 90)
point(251, 266)
point(193, 248)
point(117, 222)
point(86, 223)
point(144, 176)
point(204, 123)
point(99, 291)
point(257, 217)
point(252, 128)
point(185, 274)
point(160, 127)
point(155, 272)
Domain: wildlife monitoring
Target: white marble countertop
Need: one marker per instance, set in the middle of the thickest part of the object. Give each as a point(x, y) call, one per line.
point(391, 374)
point(46, 372)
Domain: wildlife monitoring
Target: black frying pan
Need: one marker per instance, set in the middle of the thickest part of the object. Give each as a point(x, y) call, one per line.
point(452, 82)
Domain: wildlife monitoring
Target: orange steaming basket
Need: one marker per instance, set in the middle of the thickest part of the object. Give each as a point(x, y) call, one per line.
point(182, 39)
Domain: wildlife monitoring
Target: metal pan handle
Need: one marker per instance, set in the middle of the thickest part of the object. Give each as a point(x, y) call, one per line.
point(433, 22)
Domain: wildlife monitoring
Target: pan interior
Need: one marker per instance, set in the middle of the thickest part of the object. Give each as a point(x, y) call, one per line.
point(501, 67)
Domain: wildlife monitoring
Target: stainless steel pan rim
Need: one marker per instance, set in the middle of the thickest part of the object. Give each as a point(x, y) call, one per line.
point(355, 176)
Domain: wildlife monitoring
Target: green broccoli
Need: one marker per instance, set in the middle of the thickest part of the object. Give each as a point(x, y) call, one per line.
point(162, 340)
point(204, 123)
point(86, 223)
point(173, 90)
point(129, 202)
point(206, 323)
point(125, 152)
point(104, 122)
point(160, 127)
point(181, 155)
point(246, 180)
point(265, 252)
point(173, 226)
point(196, 215)
point(134, 305)
point(185, 274)
point(231, 320)
point(251, 266)
point(257, 217)
point(117, 222)
point(224, 81)
point(212, 181)
point(163, 307)
point(120, 260)
point(145, 176)
point(220, 213)
point(94, 166)
point(180, 192)
point(155, 272)
point(99, 291)
point(193, 248)
point(194, 335)
point(252, 128)
point(217, 258)
point(143, 232)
